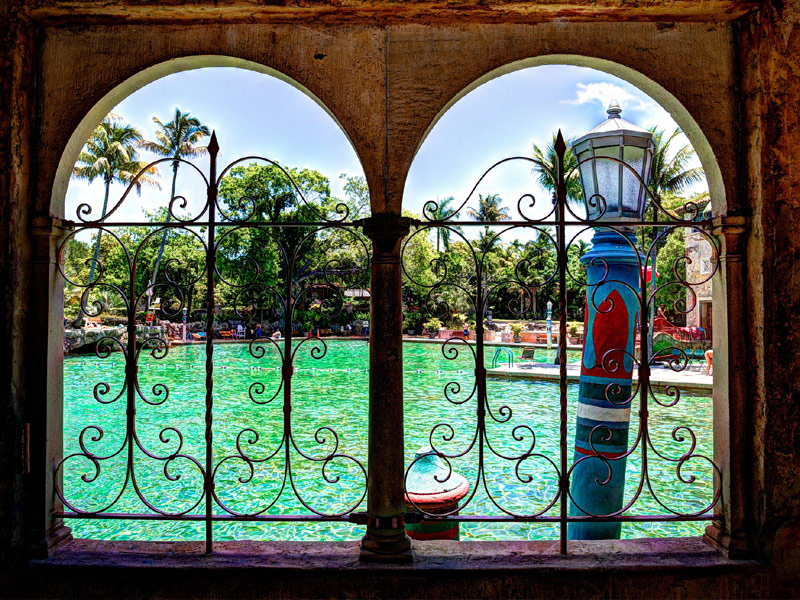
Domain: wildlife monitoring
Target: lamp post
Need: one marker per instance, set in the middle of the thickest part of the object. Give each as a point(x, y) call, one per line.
point(185, 310)
point(549, 324)
point(609, 159)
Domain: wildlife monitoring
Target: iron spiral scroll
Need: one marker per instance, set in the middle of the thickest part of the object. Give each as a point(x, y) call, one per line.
point(542, 475)
point(164, 470)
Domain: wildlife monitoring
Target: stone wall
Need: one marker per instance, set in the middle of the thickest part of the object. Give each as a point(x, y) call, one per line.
point(728, 71)
point(700, 253)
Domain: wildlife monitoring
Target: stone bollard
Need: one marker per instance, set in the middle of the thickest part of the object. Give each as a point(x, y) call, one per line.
point(429, 488)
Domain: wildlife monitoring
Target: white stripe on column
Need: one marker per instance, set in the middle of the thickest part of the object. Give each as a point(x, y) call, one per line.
point(598, 413)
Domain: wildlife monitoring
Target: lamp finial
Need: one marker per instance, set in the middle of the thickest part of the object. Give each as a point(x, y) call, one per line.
point(614, 110)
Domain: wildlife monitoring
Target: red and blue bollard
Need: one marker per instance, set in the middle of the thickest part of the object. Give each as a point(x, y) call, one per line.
point(429, 489)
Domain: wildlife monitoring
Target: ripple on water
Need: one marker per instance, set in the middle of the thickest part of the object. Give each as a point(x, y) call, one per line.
point(330, 394)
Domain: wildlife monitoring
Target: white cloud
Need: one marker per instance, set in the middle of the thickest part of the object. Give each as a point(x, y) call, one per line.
point(604, 92)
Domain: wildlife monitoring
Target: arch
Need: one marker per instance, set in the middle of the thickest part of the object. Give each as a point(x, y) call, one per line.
point(142, 78)
point(661, 95)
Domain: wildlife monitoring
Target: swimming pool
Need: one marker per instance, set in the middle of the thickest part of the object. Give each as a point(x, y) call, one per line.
point(333, 391)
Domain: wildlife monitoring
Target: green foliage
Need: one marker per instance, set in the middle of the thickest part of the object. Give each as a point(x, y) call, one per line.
point(517, 328)
point(671, 267)
point(254, 261)
point(412, 320)
point(357, 196)
point(457, 321)
point(433, 324)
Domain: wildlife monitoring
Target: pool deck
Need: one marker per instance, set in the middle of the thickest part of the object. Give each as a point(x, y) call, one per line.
point(424, 340)
point(359, 338)
point(688, 380)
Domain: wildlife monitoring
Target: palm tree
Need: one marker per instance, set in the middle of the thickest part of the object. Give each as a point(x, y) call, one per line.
point(442, 212)
point(110, 154)
point(176, 139)
point(489, 209)
point(546, 167)
point(670, 175)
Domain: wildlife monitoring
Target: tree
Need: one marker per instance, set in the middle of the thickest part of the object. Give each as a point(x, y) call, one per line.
point(442, 212)
point(176, 139)
point(546, 167)
point(255, 255)
point(356, 196)
point(490, 209)
point(110, 154)
point(669, 172)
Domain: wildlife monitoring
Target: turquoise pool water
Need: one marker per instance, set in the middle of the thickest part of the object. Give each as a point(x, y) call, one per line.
point(331, 391)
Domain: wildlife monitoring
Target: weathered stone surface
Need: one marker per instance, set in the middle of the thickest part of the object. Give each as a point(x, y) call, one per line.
point(388, 72)
point(82, 341)
point(442, 569)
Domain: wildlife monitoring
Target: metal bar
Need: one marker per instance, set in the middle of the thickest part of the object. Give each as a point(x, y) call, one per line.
point(130, 375)
point(415, 223)
point(287, 367)
point(353, 517)
point(644, 358)
point(211, 262)
point(203, 517)
point(480, 367)
point(561, 199)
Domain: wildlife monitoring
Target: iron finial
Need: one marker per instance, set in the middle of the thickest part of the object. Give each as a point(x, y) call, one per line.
point(614, 110)
point(213, 145)
point(560, 146)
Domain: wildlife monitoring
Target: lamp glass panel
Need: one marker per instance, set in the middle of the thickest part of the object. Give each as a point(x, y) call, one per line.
point(587, 179)
point(608, 179)
point(631, 187)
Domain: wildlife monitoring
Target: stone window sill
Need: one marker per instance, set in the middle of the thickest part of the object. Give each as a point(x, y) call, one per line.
point(627, 568)
point(671, 553)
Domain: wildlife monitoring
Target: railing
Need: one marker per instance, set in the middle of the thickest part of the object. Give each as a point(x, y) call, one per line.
point(509, 356)
point(532, 455)
point(241, 478)
point(157, 455)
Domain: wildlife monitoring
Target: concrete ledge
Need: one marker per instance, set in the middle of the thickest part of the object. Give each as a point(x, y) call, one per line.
point(660, 379)
point(629, 568)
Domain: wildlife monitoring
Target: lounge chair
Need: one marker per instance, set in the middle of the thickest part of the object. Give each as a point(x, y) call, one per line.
point(528, 354)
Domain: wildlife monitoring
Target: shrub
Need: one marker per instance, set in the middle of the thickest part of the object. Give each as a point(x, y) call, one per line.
point(433, 324)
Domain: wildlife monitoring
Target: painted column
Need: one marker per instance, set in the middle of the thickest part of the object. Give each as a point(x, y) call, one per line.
point(386, 539)
point(603, 413)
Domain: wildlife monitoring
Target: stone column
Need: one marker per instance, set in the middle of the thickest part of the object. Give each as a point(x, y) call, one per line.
point(386, 539)
point(731, 436)
point(605, 384)
point(41, 433)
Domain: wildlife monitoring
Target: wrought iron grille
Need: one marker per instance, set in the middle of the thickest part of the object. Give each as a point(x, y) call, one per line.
point(217, 480)
point(478, 447)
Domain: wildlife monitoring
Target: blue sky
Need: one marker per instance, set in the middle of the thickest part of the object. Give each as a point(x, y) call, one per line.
point(254, 113)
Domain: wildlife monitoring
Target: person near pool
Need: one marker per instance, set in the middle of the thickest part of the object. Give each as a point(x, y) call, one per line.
point(258, 330)
point(709, 354)
point(365, 324)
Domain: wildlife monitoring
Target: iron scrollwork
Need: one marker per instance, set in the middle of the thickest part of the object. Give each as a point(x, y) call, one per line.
point(557, 230)
point(200, 477)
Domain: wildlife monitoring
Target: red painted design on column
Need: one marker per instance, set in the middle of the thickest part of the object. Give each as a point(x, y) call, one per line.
point(609, 332)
